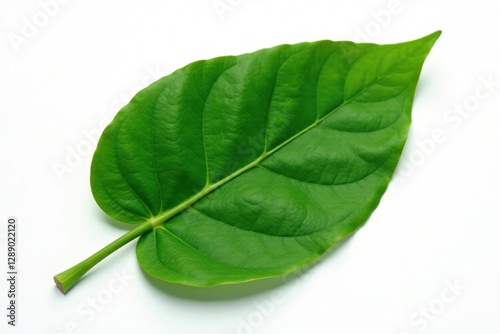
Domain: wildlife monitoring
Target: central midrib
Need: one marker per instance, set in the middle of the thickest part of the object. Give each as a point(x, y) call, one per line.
point(163, 217)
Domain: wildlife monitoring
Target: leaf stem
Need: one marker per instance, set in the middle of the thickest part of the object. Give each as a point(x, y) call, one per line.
point(70, 277)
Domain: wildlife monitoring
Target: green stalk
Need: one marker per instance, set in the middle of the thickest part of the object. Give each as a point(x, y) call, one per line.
point(70, 277)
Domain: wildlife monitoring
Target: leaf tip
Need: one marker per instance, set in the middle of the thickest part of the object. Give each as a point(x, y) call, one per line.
point(435, 35)
point(427, 42)
point(432, 38)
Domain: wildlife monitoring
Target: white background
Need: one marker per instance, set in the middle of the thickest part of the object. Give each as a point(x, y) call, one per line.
point(437, 225)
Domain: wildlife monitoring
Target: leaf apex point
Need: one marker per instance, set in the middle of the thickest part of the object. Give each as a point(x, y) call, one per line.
point(437, 33)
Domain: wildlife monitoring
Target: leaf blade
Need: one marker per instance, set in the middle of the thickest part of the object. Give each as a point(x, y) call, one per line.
point(230, 98)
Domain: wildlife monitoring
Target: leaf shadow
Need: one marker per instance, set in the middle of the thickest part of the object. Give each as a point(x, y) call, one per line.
point(215, 293)
point(242, 290)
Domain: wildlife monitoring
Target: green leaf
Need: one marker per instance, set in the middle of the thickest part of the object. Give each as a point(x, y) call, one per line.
point(251, 166)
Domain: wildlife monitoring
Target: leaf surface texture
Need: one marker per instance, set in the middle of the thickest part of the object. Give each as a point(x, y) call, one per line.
point(252, 166)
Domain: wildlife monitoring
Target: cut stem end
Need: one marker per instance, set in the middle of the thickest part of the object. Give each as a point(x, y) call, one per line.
point(65, 280)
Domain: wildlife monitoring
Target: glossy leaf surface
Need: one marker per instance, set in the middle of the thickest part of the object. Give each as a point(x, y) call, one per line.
point(251, 166)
